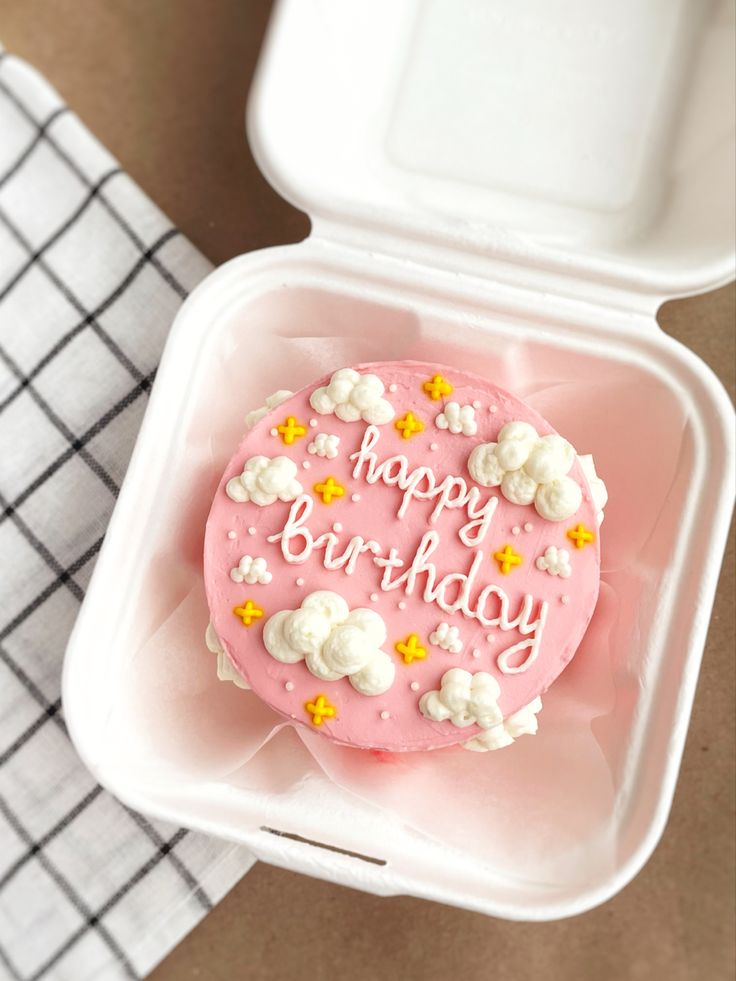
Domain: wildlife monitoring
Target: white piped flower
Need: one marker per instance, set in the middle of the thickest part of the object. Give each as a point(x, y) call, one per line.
point(529, 469)
point(225, 668)
point(446, 637)
point(335, 642)
point(555, 561)
point(264, 481)
point(352, 396)
point(465, 699)
point(324, 444)
point(271, 402)
point(251, 570)
point(521, 723)
point(457, 419)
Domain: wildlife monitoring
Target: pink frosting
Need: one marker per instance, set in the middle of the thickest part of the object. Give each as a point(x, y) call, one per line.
point(392, 721)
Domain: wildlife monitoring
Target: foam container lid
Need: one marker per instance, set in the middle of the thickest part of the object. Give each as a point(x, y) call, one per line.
point(588, 138)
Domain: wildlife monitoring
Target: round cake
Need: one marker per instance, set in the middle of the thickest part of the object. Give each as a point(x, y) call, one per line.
point(402, 556)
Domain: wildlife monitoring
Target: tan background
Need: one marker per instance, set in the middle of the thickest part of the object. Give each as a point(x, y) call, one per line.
point(163, 84)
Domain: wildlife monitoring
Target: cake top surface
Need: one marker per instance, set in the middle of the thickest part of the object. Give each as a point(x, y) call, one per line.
point(401, 555)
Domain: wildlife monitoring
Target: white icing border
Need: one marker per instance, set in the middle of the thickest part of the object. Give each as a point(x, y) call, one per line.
point(225, 668)
point(521, 723)
point(272, 401)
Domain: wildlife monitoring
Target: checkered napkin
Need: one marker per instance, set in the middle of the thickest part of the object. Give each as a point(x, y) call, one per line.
point(91, 275)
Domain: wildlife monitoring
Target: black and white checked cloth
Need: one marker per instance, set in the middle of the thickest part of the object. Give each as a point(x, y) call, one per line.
point(91, 275)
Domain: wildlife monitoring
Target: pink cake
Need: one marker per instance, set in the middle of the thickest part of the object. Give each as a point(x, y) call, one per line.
point(402, 556)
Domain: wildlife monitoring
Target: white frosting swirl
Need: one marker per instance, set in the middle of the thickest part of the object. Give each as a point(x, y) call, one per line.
point(265, 480)
point(530, 469)
point(464, 699)
point(324, 444)
point(555, 561)
point(457, 419)
point(251, 570)
point(446, 637)
point(333, 641)
point(352, 396)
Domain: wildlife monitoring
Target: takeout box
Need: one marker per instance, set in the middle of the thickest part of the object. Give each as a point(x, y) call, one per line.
point(508, 189)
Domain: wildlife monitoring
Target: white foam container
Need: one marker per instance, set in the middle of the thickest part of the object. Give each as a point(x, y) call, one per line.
point(537, 174)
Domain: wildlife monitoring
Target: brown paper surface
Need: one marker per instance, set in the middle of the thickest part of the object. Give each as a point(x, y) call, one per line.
point(163, 84)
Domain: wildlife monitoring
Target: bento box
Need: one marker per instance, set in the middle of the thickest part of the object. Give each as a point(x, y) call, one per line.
point(514, 194)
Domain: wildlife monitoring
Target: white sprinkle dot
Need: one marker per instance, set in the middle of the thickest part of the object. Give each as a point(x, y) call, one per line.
point(476, 652)
point(251, 530)
point(393, 387)
point(355, 497)
point(274, 431)
point(402, 605)
point(300, 581)
point(293, 716)
point(385, 715)
point(515, 530)
point(476, 404)
point(433, 446)
point(528, 526)
point(414, 686)
point(490, 638)
point(289, 686)
point(231, 535)
point(564, 600)
point(493, 408)
point(337, 527)
point(306, 464)
point(374, 597)
point(313, 423)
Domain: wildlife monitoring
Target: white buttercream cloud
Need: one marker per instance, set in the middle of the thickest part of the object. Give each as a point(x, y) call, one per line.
point(251, 570)
point(352, 396)
point(324, 444)
point(457, 419)
point(530, 469)
point(555, 561)
point(225, 669)
point(271, 402)
point(335, 642)
point(464, 699)
point(446, 637)
point(521, 723)
point(265, 480)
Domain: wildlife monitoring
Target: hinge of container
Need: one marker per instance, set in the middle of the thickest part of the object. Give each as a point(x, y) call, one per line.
point(514, 284)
